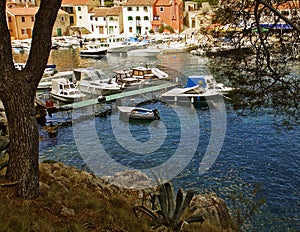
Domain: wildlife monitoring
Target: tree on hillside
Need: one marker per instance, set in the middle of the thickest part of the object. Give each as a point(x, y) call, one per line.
point(17, 92)
point(264, 78)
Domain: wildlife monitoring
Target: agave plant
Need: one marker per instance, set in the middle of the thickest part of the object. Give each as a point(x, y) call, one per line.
point(171, 209)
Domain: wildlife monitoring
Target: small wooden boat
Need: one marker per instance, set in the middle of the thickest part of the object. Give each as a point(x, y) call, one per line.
point(138, 113)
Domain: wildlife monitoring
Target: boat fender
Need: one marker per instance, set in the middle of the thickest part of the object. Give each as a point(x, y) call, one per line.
point(101, 98)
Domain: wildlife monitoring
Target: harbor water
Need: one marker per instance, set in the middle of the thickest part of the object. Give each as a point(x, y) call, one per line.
point(253, 148)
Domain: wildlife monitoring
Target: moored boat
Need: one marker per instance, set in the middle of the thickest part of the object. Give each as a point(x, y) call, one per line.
point(197, 91)
point(93, 81)
point(93, 50)
point(64, 90)
point(138, 113)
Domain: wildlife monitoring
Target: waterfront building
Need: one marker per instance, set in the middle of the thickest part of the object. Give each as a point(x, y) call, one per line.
point(21, 19)
point(168, 13)
point(79, 12)
point(199, 17)
point(106, 21)
point(137, 16)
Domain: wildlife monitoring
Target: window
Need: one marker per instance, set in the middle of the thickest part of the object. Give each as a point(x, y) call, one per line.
point(130, 29)
point(71, 19)
point(23, 19)
point(32, 18)
point(161, 9)
point(62, 18)
point(91, 18)
point(79, 8)
point(285, 13)
point(145, 9)
point(138, 18)
point(137, 8)
point(96, 19)
point(156, 17)
point(146, 18)
point(23, 31)
point(9, 19)
point(80, 17)
point(129, 8)
point(130, 18)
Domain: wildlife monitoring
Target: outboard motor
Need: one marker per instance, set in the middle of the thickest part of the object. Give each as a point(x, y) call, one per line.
point(156, 114)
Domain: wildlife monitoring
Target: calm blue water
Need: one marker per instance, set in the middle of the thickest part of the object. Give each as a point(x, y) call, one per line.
point(255, 150)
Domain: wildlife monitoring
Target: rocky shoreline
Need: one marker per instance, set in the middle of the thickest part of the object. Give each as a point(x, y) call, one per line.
point(59, 177)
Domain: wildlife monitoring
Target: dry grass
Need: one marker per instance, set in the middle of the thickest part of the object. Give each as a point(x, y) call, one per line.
point(96, 206)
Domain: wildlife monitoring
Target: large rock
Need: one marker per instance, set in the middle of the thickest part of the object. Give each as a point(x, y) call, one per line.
point(213, 209)
point(130, 179)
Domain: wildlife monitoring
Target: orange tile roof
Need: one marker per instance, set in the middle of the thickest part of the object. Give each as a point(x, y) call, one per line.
point(75, 2)
point(163, 3)
point(17, 11)
point(117, 10)
point(104, 11)
point(25, 11)
point(100, 12)
point(167, 2)
point(287, 5)
point(139, 3)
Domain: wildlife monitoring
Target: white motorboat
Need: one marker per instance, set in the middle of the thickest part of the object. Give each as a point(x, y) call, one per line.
point(93, 50)
point(46, 81)
point(148, 51)
point(128, 112)
point(197, 91)
point(208, 82)
point(93, 81)
point(64, 90)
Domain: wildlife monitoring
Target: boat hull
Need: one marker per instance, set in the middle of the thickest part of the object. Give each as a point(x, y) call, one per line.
point(64, 98)
point(138, 113)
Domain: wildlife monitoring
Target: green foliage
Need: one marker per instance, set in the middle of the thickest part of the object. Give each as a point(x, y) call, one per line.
point(211, 2)
point(161, 29)
point(171, 209)
point(109, 3)
point(169, 28)
point(49, 161)
point(151, 31)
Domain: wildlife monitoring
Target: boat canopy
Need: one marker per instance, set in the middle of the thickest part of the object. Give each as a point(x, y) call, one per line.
point(277, 26)
point(197, 80)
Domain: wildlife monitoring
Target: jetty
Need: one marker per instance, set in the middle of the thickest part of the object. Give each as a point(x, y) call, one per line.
point(116, 96)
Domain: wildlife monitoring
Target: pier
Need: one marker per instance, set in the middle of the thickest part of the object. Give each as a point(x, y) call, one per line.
point(116, 96)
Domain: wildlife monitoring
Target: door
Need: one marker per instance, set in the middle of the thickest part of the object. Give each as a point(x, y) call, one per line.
point(58, 31)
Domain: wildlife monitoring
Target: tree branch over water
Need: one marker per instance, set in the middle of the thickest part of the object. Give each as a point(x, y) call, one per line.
point(267, 78)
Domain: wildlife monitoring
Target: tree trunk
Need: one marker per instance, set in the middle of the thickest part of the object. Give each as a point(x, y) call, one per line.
point(17, 92)
point(24, 140)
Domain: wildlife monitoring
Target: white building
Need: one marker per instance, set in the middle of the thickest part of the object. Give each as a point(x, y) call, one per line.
point(137, 16)
point(79, 11)
point(106, 21)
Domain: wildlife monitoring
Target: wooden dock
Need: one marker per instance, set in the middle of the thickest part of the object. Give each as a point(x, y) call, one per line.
point(113, 97)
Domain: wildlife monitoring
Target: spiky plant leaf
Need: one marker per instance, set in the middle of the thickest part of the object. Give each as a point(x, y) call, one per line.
point(179, 200)
point(162, 199)
point(146, 211)
point(185, 204)
point(170, 199)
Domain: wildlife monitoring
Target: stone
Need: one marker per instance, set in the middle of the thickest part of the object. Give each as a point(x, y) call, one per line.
point(67, 212)
point(213, 209)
